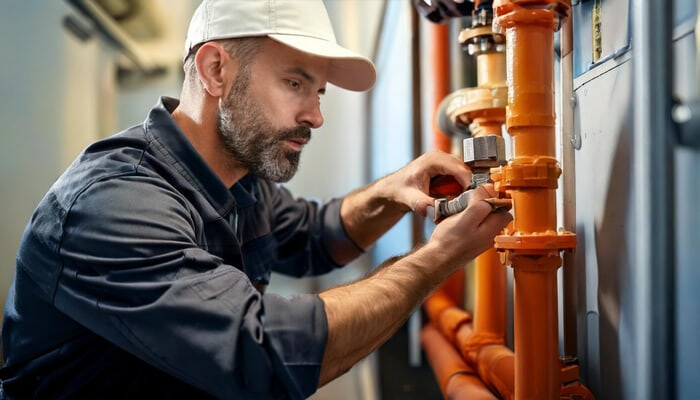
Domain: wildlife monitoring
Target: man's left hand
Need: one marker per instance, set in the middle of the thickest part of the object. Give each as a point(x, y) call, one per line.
point(409, 186)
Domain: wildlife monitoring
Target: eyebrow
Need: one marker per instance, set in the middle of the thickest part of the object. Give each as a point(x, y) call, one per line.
point(303, 73)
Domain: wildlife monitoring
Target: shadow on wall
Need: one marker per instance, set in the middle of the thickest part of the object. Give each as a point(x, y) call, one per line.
point(613, 260)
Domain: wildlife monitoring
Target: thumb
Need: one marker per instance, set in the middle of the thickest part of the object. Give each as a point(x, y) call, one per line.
point(419, 203)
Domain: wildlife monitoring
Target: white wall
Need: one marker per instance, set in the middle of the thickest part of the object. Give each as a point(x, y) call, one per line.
point(54, 88)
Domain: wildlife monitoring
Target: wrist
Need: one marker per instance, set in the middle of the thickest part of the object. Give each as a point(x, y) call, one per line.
point(439, 262)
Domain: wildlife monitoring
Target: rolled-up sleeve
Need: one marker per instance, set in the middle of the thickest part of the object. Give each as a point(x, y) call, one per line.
point(311, 237)
point(335, 237)
point(133, 274)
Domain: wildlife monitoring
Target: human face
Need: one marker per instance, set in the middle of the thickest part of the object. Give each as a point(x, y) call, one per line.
point(269, 144)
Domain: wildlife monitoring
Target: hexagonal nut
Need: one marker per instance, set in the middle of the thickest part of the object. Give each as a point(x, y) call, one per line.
point(485, 151)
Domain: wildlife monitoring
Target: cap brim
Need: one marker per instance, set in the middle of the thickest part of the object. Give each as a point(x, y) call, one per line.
point(348, 70)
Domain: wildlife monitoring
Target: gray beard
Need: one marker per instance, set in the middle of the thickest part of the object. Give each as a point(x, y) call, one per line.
point(252, 141)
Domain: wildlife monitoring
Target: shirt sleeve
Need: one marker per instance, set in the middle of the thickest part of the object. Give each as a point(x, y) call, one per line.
point(133, 274)
point(311, 237)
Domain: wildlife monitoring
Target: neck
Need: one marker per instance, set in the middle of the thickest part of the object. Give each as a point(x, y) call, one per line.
point(199, 123)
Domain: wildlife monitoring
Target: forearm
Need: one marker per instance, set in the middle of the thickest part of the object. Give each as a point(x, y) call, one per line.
point(369, 212)
point(362, 315)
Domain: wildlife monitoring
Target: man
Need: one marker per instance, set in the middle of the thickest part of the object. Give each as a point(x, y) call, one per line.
point(142, 271)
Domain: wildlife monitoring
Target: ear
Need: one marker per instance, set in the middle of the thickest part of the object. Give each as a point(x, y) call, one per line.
point(215, 68)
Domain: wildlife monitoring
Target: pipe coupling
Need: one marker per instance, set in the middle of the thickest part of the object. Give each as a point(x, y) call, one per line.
point(542, 172)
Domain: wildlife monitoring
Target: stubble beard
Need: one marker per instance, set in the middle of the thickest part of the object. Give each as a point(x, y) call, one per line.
point(250, 138)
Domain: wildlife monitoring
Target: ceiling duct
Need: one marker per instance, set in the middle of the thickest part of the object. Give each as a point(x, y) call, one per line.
point(136, 27)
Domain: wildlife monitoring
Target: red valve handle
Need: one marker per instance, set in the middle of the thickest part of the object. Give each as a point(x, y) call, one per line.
point(444, 186)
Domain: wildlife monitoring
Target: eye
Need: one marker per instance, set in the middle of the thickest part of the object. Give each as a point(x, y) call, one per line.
point(294, 84)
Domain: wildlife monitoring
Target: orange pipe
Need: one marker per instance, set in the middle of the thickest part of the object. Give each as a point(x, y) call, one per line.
point(436, 303)
point(484, 347)
point(494, 362)
point(490, 275)
point(537, 366)
point(454, 287)
point(440, 64)
point(496, 368)
point(456, 379)
point(491, 69)
point(531, 242)
point(490, 299)
point(440, 60)
point(531, 179)
point(443, 312)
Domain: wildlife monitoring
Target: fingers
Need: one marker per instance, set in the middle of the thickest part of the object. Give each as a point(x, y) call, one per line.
point(483, 192)
point(447, 164)
point(420, 204)
point(495, 222)
point(477, 211)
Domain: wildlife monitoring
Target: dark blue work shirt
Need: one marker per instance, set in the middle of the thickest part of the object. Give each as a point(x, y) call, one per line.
point(131, 280)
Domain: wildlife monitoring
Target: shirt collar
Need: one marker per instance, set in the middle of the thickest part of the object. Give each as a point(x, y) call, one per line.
point(246, 191)
point(182, 155)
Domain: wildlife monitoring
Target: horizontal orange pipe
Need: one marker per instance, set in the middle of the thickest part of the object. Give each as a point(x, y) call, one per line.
point(443, 312)
point(495, 363)
point(436, 303)
point(456, 379)
point(496, 366)
point(467, 387)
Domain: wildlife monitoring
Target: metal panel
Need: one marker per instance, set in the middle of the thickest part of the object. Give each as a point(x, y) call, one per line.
point(607, 229)
point(604, 201)
point(653, 282)
point(687, 219)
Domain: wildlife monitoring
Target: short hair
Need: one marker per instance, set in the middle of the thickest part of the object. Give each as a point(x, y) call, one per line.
point(241, 49)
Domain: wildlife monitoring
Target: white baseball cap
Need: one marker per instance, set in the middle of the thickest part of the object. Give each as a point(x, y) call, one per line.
point(301, 24)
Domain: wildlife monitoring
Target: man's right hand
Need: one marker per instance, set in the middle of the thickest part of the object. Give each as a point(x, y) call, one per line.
point(467, 234)
point(364, 314)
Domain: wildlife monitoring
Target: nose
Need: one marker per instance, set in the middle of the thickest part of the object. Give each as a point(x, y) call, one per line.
point(311, 116)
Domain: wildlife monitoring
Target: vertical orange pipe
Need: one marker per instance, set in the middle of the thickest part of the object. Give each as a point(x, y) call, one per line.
point(535, 292)
point(532, 245)
point(531, 178)
point(440, 64)
point(490, 275)
point(440, 60)
point(490, 300)
point(537, 366)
